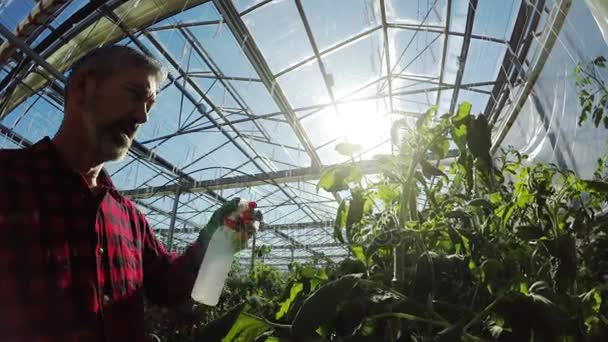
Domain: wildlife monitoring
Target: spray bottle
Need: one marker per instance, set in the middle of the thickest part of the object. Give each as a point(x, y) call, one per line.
point(220, 252)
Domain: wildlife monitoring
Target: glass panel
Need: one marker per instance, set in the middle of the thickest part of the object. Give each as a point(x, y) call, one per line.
point(416, 103)
point(329, 29)
point(223, 49)
point(279, 34)
point(202, 12)
point(483, 61)
point(34, 119)
point(242, 5)
point(304, 86)
point(458, 17)
point(164, 116)
point(356, 64)
point(415, 52)
point(321, 126)
point(478, 100)
point(13, 12)
point(496, 18)
point(452, 59)
point(256, 96)
point(415, 12)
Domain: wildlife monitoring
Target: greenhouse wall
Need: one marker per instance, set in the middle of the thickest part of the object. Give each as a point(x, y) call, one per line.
point(547, 127)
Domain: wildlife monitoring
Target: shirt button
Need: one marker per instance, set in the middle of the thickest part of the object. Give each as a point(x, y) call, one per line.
point(101, 251)
point(106, 300)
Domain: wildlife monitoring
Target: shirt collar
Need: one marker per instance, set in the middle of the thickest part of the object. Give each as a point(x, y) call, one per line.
point(46, 147)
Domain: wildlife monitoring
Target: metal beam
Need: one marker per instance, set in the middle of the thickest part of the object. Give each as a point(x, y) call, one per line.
point(263, 226)
point(243, 37)
point(517, 36)
point(313, 245)
point(441, 29)
point(173, 217)
point(285, 176)
point(445, 48)
point(268, 258)
point(328, 50)
point(515, 69)
point(464, 52)
point(202, 53)
point(14, 137)
point(387, 57)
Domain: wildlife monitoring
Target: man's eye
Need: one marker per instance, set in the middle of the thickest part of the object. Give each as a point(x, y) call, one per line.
point(134, 94)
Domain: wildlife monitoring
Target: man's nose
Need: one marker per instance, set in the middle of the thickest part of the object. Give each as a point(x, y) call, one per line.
point(141, 113)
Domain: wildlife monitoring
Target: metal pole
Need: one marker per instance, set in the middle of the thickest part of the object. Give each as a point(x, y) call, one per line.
point(178, 192)
point(31, 53)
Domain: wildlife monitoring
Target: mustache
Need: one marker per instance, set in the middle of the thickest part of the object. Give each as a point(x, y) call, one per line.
point(125, 126)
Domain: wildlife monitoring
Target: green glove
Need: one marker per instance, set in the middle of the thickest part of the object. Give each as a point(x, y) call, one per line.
point(217, 219)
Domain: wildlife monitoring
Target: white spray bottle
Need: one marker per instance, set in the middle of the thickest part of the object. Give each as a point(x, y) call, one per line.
point(220, 252)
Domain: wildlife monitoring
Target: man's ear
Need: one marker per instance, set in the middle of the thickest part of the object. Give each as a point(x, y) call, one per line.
point(82, 88)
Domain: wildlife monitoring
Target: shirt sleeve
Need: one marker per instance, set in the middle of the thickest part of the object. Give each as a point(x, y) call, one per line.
point(169, 277)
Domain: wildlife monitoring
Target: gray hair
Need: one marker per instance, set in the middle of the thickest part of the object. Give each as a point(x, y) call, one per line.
point(103, 62)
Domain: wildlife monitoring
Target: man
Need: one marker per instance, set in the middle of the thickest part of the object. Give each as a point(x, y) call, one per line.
point(76, 257)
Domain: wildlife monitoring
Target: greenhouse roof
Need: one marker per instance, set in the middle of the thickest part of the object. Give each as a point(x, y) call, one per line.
point(261, 92)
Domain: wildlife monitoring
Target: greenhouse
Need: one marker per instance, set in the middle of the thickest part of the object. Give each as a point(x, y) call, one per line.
point(426, 169)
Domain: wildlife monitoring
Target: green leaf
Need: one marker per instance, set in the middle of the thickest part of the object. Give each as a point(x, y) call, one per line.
point(339, 177)
point(321, 306)
point(272, 339)
point(388, 193)
point(426, 117)
point(597, 186)
point(490, 268)
point(355, 211)
point(464, 109)
point(340, 221)
point(529, 232)
point(600, 61)
point(429, 170)
point(440, 148)
point(459, 135)
point(495, 198)
point(347, 149)
point(216, 330)
point(359, 253)
point(479, 137)
point(247, 328)
point(481, 202)
point(597, 116)
point(458, 214)
point(284, 306)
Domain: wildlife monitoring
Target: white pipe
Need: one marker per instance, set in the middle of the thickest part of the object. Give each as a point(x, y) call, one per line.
point(32, 25)
point(557, 16)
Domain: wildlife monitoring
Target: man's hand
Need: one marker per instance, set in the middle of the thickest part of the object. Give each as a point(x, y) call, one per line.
point(245, 231)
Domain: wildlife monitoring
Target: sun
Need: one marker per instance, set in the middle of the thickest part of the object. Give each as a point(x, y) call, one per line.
point(366, 123)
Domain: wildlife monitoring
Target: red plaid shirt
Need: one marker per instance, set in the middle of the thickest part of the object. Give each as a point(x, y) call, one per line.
point(74, 265)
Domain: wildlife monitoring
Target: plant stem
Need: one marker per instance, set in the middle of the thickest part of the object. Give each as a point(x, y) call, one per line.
point(409, 317)
point(484, 312)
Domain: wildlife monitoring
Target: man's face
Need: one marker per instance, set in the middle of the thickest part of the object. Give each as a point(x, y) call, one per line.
point(112, 110)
